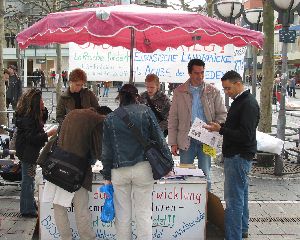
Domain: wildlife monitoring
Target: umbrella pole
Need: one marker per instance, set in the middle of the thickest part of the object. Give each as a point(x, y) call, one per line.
point(132, 38)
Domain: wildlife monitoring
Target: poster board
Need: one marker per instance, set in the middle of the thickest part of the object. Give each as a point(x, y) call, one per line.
point(179, 212)
point(106, 63)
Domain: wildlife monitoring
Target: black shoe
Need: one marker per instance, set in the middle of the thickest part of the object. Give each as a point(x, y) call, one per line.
point(245, 235)
point(29, 215)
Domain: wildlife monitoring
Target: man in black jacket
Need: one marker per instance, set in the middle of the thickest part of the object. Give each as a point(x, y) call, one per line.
point(239, 148)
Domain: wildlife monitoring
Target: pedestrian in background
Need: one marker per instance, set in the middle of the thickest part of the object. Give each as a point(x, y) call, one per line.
point(191, 100)
point(125, 166)
point(64, 76)
point(31, 116)
point(157, 101)
point(6, 78)
point(239, 148)
point(76, 96)
point(14, 90)
point(106, 86)
point(292, 86)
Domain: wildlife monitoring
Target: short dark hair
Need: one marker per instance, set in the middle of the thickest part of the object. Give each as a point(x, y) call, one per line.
point(128, 94)
point(196, 62)
point(13, 67)
point(232, 76)
point(6, 71)
point(103, 110)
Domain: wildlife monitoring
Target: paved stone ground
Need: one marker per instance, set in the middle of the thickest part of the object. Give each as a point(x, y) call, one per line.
point(274, 201)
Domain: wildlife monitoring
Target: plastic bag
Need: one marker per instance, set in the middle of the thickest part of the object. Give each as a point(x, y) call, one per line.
point(108, 210)
point(268, 143)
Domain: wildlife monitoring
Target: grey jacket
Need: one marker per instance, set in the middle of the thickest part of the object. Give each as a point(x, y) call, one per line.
point(180, 114)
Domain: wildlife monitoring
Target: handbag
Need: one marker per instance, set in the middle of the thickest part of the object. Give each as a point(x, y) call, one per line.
point(64, 169)
point(161, 163)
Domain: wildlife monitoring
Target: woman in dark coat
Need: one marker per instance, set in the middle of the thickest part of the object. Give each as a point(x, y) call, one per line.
point(31, 137)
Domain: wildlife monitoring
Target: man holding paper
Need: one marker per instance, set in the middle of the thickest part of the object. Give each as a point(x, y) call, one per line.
point(239, 148)
point(194, 99)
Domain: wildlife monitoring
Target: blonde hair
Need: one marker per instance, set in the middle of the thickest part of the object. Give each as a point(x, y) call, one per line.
point(152, 78)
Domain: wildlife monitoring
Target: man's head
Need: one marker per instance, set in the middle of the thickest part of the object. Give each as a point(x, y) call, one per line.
point(12, 69)
point(232, 83)
point(196, 71)
point(152, 84)
point(77, 79)
point(6, 74)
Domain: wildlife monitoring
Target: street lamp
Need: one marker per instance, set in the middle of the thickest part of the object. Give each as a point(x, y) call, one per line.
point(285, 10)
point(228, 11)
point(254, 18)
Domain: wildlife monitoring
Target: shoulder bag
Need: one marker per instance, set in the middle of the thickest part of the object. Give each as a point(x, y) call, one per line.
point(161, 163)
point(64, 169)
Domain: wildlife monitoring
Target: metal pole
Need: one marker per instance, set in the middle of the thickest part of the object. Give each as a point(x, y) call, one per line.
point(132, 38)
point(281, 122)
point(254, 72)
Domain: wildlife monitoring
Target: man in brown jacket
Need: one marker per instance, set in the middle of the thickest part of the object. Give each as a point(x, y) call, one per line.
point(80, 134)
point(194, 99)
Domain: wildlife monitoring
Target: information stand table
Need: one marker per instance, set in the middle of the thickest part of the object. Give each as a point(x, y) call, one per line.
point(179, 212)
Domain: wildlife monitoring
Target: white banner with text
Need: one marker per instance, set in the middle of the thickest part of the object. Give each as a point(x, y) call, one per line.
point(106, 63)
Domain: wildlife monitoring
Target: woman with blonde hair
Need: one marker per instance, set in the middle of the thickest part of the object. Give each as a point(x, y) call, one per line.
point(157, 100)
point(31, 116)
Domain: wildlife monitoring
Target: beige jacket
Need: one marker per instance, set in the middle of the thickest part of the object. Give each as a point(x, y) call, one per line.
point(180, 114)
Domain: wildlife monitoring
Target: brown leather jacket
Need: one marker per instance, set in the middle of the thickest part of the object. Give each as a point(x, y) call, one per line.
point(66, 103)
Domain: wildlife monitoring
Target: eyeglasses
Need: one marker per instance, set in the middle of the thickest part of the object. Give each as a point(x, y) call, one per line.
point(228, 88)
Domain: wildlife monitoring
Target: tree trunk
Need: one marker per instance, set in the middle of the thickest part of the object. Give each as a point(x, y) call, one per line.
point(58, 71)
point(268, 69)
point(209, 8)
point(3, 116)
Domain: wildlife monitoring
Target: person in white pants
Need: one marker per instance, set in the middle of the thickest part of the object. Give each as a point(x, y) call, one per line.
point(125, 166)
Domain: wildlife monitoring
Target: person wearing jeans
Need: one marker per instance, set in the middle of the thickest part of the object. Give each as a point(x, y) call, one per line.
point(28, 205)
point(236, 170)
point(194, 99)
point(239, 148)
point(204, 163)
point(31, 116)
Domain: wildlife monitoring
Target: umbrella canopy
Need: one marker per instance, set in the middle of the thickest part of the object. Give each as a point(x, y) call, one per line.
point(151, 28)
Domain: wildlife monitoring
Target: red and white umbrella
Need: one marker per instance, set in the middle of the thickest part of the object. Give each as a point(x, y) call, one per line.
point(132, 26)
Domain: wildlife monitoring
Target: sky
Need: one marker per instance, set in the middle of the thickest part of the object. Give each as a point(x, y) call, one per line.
point(192, 2)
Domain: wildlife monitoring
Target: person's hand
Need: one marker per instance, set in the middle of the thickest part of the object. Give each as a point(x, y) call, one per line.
point(174, 150)
point(213, 127)
point(107, 182)
point(51, 132)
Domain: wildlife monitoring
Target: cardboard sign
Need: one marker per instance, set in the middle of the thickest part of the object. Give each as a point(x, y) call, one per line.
point(179, 212)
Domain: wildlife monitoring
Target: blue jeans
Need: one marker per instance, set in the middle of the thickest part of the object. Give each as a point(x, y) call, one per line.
point(236, 170)
point(27, 201)
point(204, 160)
point(105, 92)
